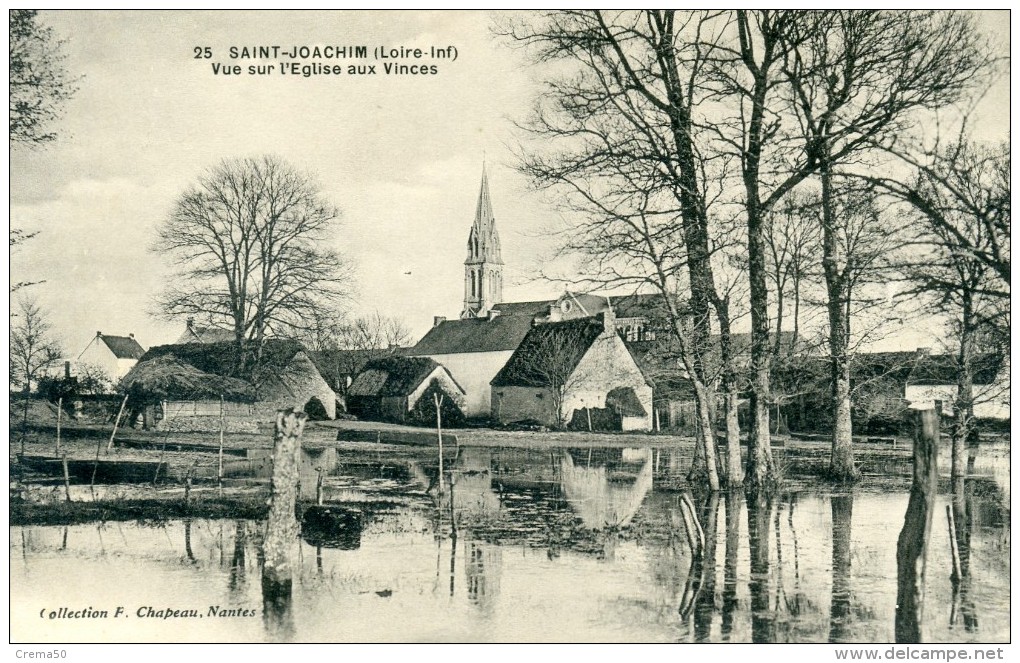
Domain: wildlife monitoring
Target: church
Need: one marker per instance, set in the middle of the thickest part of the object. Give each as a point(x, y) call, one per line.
point(489, 333)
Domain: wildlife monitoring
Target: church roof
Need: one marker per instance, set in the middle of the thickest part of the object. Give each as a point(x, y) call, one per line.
point(502, 333)
point(549, 352)
point(524, 308)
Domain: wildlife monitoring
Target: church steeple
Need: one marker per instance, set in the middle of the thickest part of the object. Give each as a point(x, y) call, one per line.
point(483, 268)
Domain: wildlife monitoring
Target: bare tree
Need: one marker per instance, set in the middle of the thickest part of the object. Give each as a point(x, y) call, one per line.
point(33, 348)
point(250, 242)
point(793, 243)
point(39, 84)
point(628, 158)
point(853, 79)
point(961, 260)
point(373, 332)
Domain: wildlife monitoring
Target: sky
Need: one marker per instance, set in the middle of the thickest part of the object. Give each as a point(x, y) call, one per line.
point(400, 155)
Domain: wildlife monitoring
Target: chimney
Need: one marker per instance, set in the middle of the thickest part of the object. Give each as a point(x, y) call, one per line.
point(923, 352)
point(491, 314)
point(436, 320)
point(609, 321)
point(67, 370)
point(131, 335)
point(99, 334)
point(191, 322)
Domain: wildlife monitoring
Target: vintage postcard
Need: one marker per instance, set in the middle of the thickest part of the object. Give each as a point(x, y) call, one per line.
point(644, 326)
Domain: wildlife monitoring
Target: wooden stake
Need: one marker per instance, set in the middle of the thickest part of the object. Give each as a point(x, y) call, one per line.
point(219, 470)
point(281, 525)
point(116, 423)
point(953, 545)
point(60, 409)
point(912, 544)
point(67, 479)
point(438, 400)
point(318, 487)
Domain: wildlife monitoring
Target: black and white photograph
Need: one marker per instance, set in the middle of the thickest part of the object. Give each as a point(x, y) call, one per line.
point(511, 327)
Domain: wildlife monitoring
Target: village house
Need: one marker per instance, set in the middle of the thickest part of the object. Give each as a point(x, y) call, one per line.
point(393, 388)
point(193, 384)
point(561, 367)
point(112, 355)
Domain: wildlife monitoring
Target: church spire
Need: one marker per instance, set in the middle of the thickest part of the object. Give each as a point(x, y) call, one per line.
point(483, 268)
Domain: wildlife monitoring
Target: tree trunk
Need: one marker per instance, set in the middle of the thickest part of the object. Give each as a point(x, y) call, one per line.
point(761, 468)
point(962, 429)
point(912, 545)
point(282, 526)
point(841, 462)
point(734, 470)
point(707, 437)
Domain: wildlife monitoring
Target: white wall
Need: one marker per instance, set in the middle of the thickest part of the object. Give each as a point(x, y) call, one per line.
point(473, 371)
point(606, 366)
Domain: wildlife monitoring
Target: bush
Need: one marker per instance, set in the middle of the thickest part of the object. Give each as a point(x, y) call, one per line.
point(424, 411)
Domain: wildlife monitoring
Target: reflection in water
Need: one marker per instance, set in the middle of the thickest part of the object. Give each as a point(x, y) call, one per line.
point(483, 568)
point(763, 619)
point(963, 522)
point(601, 502)
point(839, 611)
point(704, 606)
point(734, 502)
point(533, 555)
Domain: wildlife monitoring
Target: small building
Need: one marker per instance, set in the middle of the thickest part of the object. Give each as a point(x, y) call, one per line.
point(560, 367)
point(113, 355)
point(474, 350)
point(392, 388)
point(187, 381)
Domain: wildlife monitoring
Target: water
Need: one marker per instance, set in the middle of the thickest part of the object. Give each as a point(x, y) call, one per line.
point(580, 545)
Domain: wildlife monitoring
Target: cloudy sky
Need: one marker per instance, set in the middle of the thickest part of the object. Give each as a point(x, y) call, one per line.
point(400, 155)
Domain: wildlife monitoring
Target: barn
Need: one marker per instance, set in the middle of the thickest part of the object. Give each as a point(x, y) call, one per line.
point(562, 367)
point(192, 384)
point(394, 388)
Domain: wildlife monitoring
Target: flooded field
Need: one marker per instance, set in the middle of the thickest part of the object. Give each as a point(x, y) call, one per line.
point(522, 545)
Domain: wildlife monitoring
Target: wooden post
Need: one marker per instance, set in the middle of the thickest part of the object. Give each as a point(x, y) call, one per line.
point(116, 423)
point(67, 478)
point(438, 400)
point(587, 411)
point(282, 526)
point(954, 548)
point(60, 409)
point(318, 487)
point(219, 469)
point(912, 545)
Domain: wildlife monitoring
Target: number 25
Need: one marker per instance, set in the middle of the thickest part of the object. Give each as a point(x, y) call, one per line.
point(203, 52)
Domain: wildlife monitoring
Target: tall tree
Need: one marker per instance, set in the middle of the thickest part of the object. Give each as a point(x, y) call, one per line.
point(250, 243)
point(33, 348)
point(960, 260)
point(39, 83)
point(854, 79)
point(619, 136)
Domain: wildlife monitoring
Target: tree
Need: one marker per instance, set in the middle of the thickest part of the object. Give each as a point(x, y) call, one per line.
point(39, 84)
point(851, 80)
point(250, 245)
point(33, 348)
point(960, 261)
point(621, 119)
